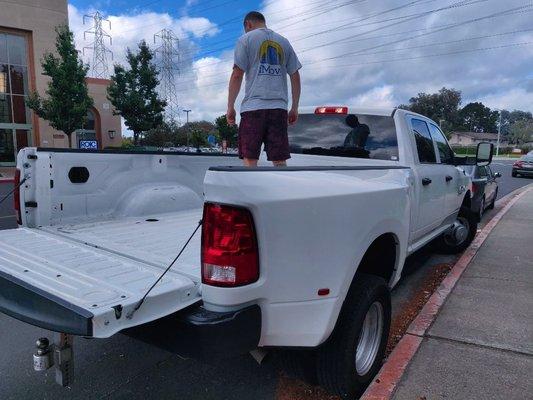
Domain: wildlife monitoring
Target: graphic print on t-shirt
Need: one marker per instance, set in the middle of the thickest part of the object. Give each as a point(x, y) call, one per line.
point(271, 58)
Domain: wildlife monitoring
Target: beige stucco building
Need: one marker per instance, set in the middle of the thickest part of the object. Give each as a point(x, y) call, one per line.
point(27, 31)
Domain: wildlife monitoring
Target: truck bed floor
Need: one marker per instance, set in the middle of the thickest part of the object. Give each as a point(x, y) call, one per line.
point(154, 239)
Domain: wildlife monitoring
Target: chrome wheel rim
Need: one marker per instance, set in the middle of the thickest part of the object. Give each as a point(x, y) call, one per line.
point(458, 233)
point(369, 339)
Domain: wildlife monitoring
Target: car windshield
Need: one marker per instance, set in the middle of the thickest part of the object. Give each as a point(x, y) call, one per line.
point(359, 136)
point(528, 158)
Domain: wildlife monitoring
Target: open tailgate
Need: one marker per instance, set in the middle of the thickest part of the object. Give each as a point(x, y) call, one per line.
point(57, 284)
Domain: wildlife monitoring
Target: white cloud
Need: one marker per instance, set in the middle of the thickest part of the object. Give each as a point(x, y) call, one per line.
point(496, 76)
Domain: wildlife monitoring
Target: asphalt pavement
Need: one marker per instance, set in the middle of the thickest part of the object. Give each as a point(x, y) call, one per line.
point(121, 367)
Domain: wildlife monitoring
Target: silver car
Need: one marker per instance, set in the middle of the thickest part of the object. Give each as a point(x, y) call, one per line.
point(484, 188)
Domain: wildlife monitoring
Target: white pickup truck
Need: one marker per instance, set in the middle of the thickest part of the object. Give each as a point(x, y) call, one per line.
point(300, 257)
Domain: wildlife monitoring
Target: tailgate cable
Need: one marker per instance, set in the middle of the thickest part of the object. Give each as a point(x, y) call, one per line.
point(15, 188)
point(140, 303)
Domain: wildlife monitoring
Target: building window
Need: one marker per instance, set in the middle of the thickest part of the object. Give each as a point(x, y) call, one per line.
point(15, 122)
point(87, 137)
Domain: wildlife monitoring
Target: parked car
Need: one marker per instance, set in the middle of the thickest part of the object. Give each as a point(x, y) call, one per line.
point(302, 257)
point(484, 187)
point(524, 166)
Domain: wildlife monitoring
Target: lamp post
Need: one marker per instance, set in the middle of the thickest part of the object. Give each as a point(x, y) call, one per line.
point(499, 133)
point(187, 112)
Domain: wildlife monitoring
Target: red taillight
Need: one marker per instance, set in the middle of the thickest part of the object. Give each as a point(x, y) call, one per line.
point(230, 256)
point(331, 110)
point(16, 196)
point(518, 164)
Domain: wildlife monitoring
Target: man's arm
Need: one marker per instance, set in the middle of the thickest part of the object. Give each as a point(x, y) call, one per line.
point(235, 83)
point(296, 89)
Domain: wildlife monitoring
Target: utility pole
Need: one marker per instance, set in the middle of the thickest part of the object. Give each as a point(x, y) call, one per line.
point(168, 55)
point(99, 65)
point(499, 133)
point(188, 128)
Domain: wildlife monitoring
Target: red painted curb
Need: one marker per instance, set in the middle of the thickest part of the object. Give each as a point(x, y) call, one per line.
point(392, 371)
point(428, 313)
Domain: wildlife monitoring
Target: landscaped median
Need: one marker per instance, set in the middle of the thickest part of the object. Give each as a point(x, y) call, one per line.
point(472, 319)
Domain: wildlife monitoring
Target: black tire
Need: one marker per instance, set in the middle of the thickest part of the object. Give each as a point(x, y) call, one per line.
point(336, 359)
point(447, 246)
point(299, 364)
point(514, 174)
point(493, 202)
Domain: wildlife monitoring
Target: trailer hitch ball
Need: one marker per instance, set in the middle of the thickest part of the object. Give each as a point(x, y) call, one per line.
point(43, 358)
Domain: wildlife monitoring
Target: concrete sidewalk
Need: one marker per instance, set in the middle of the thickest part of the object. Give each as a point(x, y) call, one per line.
point(481, 344)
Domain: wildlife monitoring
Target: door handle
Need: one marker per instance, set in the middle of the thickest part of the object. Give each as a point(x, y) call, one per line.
point(426, 181)
point(448, 178)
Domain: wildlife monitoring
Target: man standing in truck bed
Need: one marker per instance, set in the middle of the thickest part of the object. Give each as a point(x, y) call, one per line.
point(265, 58)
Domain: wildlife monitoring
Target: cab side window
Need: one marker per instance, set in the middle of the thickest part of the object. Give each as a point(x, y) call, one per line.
point(424, 144)
point(445, 152)
point(482, 172)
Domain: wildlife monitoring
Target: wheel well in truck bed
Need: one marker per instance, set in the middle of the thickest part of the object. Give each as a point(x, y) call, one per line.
point(380, 258)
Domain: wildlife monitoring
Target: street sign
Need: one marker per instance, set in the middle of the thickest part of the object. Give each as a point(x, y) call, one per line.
point(88, 145)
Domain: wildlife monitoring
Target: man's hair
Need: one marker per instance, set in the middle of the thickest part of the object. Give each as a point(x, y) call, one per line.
point(255, 16)
point(352, 121)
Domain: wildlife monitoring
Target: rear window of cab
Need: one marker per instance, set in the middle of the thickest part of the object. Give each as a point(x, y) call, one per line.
point(345, 135)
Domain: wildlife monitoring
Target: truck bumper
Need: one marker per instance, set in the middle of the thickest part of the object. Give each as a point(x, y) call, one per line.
point(199, 333)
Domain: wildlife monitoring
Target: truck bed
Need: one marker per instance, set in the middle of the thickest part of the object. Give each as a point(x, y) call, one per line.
point(154, 239)
point(78, 278)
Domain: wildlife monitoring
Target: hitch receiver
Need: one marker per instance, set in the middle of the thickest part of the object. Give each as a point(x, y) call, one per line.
point(59, 355)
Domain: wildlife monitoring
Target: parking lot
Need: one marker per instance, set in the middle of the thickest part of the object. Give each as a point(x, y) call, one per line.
point(124, 368)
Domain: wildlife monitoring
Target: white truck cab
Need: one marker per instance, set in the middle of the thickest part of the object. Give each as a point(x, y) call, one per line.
point(299, 257)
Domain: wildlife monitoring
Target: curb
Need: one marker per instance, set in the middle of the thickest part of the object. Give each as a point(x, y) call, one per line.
point(384, 385)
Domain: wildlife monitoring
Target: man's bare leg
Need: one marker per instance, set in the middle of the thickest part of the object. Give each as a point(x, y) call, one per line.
point(279, 163)
point(249, 162)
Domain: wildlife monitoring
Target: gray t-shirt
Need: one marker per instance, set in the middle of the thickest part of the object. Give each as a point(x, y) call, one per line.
point(266, 58)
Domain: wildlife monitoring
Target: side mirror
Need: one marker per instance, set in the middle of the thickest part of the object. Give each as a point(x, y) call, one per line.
point(497, 175)
point(484, 154)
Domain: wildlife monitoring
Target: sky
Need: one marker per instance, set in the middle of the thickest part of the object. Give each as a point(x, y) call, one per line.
point(372, 53)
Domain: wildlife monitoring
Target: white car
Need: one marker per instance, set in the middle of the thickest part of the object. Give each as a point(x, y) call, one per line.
point(301, 257)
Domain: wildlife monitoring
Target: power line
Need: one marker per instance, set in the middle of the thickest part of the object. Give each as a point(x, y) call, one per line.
point(420, 46)
point(500, 13)
point(454, 5)
point(99, 66)
point(409, 4)
point(386, 61)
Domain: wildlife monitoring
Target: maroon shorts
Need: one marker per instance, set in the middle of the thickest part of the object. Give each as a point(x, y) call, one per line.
point(264, 126)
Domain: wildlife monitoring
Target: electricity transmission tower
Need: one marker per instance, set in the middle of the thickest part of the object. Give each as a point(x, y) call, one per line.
point(168, 59)
point(99, 65)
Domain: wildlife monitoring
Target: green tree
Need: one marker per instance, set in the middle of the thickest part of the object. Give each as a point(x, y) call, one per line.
point(67, 101)
point(510, 117)
point(165, 135)
point(476, 117)
point(442, 107)
point(226, 132)
point(185, 131)
point(133, 92)
point(198, 138)
point(521, 131)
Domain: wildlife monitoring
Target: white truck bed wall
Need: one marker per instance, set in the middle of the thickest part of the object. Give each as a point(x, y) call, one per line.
point(292, 209)
point(118, 186)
